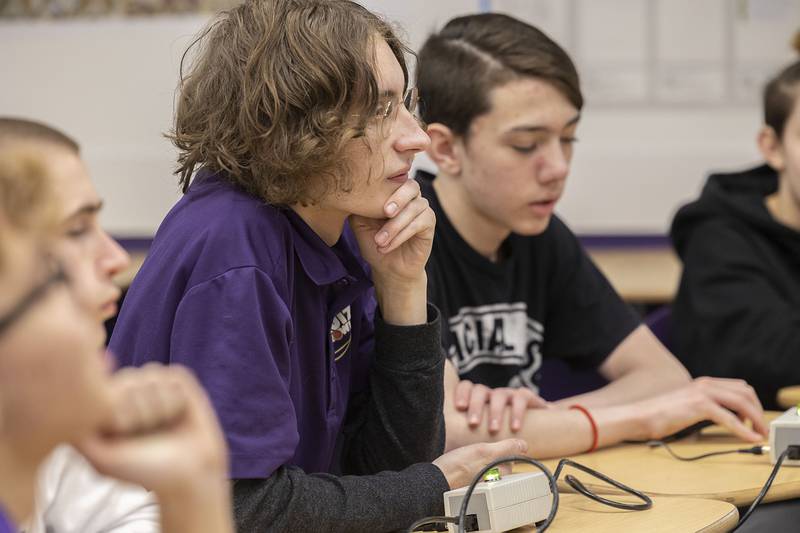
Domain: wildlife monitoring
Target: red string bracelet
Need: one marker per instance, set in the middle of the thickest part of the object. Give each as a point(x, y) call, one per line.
point(595, 435)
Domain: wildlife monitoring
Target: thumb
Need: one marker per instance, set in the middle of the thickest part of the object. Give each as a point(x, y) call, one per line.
point(98, 452)
point(507, 447)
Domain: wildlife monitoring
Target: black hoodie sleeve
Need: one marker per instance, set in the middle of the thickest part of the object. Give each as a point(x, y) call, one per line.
point(730, 318)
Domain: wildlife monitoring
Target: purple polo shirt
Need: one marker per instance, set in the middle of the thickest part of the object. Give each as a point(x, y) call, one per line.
point(276, 325)
point(6, 525)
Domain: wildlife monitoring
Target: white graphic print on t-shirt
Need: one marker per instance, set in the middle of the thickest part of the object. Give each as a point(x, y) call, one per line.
point(340, 333)
point(498, 334)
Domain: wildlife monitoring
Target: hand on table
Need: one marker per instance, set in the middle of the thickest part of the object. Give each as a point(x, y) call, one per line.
point(460, 466)
point(727, 402)
point(473, 398)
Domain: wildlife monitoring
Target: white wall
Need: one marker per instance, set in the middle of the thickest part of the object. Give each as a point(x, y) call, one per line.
point(110, 83)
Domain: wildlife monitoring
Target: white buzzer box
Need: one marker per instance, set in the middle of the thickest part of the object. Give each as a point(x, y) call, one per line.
point(508, 503)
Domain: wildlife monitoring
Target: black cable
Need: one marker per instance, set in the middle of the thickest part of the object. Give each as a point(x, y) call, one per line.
point(572, 481)
point(576, 484)
point(764, 489)
point(433, 520)
point(755, 450)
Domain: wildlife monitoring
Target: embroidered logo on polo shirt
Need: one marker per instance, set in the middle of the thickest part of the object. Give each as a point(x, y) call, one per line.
point(340, 333)
point(499, 334)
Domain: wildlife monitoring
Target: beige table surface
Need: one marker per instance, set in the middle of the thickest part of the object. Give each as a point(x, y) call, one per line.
point(668, 515)
point(577, 513)
point(124, 278)
point(735, 478)
point(640, 275)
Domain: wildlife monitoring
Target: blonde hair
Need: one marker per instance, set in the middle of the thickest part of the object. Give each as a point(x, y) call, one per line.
point(26, 202)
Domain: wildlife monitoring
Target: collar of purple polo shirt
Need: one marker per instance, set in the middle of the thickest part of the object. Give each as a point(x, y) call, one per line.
point(323, 264)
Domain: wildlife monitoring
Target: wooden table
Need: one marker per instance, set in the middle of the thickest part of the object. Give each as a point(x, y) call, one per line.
point(577, 513)
point(668, 515)
point(735, 478)
point(640, 275)
point(124, 278)
point(789, 397)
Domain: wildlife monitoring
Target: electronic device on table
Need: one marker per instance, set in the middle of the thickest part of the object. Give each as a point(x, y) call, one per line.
point(784, 432)
point(503, 504)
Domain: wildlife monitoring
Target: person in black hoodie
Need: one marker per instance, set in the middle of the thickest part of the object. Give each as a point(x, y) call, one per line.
point(737, 312)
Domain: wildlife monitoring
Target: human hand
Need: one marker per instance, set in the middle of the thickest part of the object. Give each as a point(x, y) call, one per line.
point(162, 433)
point(727, 402)
point(398, 246)
point(460, 466)
point(472, 398)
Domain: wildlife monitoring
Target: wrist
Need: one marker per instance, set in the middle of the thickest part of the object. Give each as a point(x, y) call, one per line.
point(402, 302)
point(638, 419)
point(619, 423)
point(194, 487)
point(199, 507)
point(592, 425)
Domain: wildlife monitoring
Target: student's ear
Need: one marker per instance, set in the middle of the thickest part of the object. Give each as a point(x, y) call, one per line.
point(771, 148)
point(443, 150)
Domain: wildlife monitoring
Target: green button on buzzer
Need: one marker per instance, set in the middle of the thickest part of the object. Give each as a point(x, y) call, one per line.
point(492, 474)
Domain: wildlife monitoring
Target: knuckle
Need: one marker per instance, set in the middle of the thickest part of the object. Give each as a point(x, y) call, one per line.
point(704, 381)
point(483, 449)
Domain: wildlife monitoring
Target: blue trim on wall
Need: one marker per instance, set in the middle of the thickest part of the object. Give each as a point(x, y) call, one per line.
point(142, 244)
point(625, 241)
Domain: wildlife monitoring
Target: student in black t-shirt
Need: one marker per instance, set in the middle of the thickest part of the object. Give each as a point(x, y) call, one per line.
point(737, 312)
point(503, 102)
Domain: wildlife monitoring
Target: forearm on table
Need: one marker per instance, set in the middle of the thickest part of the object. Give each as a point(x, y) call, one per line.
point(554, 432)
point(639, 368)
point(291, 500)
point(637, 385)
point(398, 420)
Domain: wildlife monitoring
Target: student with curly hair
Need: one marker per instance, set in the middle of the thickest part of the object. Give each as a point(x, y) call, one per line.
point(291, 275)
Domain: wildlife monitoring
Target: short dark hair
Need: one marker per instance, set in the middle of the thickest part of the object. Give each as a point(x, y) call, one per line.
point(276, 91)
point(471, 55)
point(781, 93)
point(21, 129)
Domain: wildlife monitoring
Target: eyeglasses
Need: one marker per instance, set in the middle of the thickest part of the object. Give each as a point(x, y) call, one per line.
point(387, 113)
point(55, 276)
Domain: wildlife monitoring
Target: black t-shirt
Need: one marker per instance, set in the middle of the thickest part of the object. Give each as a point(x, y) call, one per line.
point(544, 299)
